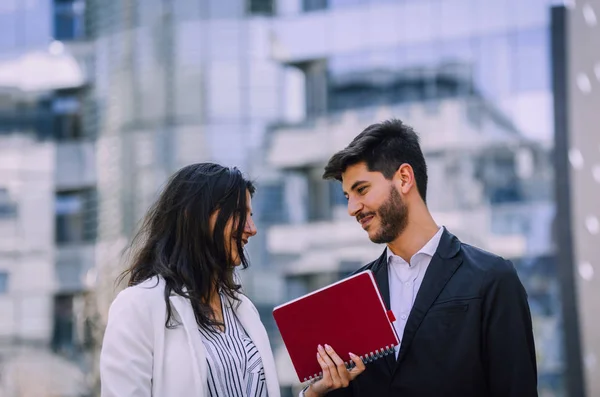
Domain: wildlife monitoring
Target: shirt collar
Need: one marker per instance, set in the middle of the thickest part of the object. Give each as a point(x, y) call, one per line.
point(429, 248)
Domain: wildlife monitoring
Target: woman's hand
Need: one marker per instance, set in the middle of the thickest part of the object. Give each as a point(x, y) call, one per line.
point(335, 373)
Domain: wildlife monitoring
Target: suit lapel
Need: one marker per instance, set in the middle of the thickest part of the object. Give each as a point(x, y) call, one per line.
point(380, 272)
point(441, 268)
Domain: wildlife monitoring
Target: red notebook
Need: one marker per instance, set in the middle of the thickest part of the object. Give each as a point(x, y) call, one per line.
point(349, 315)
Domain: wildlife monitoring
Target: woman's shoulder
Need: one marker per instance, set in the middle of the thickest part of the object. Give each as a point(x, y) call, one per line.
point(147, 293)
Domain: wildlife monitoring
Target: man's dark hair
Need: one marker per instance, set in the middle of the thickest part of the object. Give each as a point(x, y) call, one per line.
point(384, 147)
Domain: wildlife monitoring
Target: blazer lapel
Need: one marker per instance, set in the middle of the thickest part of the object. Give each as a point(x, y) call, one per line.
point(441, 268)
point(250, 320)
point(188, 320)
point(380, 272)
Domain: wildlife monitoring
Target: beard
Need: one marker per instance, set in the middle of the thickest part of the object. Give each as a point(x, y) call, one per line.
point(393, 218)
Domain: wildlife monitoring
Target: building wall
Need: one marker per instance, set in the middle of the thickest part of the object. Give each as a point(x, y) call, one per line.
point(27, 239)
point(583, 82)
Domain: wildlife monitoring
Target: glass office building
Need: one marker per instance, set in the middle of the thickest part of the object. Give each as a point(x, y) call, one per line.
point(474, 79)
point(276, 86)
point(47, 193)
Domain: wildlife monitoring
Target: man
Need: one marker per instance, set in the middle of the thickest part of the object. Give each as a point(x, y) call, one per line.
point(462, 313)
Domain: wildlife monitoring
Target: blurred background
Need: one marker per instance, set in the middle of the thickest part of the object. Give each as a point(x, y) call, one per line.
point(101, 100)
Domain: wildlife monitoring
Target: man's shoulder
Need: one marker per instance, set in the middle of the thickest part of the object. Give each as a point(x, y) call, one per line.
point(493, 268)
point(483, 259)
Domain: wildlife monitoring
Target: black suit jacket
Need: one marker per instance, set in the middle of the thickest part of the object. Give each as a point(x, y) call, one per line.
point(469, 333)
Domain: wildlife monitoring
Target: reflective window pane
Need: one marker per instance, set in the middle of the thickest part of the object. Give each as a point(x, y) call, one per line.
point(531, 63)
point(314, 5)
point(3, 282)
point(493, 74)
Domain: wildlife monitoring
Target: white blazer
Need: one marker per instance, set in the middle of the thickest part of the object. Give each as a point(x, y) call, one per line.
point(140, 357)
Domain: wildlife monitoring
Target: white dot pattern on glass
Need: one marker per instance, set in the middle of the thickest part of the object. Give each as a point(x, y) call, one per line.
point(596, 172)
point(592, 224)
point(576, 158)
point(586, 271)
point(589, 15)
point(584, 83)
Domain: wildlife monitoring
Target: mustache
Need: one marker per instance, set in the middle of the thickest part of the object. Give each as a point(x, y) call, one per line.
point(364, 215)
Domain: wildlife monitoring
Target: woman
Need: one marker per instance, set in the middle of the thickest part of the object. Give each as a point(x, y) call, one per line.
point(183, 327)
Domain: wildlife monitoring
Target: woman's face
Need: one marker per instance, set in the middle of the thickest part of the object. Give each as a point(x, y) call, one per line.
point(230, 228)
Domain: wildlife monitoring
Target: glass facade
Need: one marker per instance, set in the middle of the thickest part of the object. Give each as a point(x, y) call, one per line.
point(69, 20)
point(184, 81)
point(473, 78)
point(24, 25)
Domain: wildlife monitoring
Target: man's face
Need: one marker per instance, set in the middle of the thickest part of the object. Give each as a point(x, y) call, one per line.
point(375, 203)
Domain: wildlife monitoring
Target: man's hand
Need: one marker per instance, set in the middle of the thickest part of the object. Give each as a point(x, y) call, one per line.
point(335, 373)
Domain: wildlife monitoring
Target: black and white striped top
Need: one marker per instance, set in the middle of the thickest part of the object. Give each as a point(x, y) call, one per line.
point(235, 368)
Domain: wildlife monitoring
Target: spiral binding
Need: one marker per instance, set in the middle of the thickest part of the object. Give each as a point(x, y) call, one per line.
point(367, 358)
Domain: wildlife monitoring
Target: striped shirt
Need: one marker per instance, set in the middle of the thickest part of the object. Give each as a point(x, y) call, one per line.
point(235, 367)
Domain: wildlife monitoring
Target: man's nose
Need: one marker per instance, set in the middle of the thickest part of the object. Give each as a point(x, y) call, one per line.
point(354, 207)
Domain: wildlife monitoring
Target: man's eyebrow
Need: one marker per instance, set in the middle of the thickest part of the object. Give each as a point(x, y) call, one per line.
point(355, 185)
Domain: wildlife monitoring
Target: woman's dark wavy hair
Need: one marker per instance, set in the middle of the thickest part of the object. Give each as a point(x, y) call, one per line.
point(175, 241)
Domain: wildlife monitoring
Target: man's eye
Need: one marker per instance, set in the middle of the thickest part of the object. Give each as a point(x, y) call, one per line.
point(362, 189)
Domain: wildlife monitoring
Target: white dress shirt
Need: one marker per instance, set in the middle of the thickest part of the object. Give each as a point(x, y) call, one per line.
point(405, 280)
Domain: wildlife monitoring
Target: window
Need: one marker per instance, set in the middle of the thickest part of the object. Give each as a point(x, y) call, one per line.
point(271, 202)
point(75, 216)
point(69, 19)
point(3, 282)
point(63, 335)
point(319, 201)
point(315, 73)
point(8, 30)
point(313, 5)
point(531, 61)
point(336, 194)
point(8, 208)
point(261, 7)
point(399, 75)
point(344, 3)
point(493, 73)
point(497, 173)
point(66, 109)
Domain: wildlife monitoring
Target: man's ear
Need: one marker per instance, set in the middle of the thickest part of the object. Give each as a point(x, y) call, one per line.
point(404, 178)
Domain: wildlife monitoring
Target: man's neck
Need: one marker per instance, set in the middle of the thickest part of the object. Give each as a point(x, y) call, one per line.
point(417, 233)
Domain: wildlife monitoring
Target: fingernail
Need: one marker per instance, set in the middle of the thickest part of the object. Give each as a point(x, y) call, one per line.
point(320, 347)
point(352, 355)
point(327, 347)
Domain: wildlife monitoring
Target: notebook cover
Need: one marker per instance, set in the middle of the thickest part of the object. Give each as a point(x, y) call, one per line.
point(349, 315)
